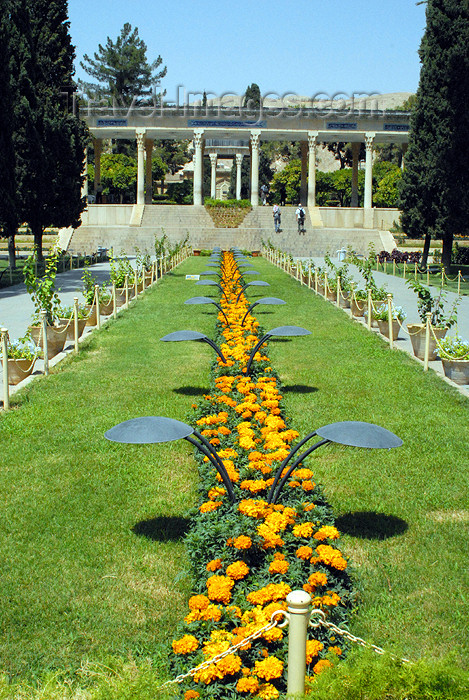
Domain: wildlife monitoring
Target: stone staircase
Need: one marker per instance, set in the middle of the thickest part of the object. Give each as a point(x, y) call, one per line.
point(176, 222)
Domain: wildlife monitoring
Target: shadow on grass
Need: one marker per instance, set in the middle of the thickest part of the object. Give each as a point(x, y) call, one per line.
point(191, 391)
point(162, 529)
point(299, 389)
point(370, 525)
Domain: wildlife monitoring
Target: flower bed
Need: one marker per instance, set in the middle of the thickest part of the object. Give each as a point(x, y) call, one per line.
point(247, 556)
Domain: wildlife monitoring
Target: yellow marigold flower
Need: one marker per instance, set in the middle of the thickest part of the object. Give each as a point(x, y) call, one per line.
point(321, 665)
point(247, 685)
point(304, 552)
point(229, 665)
point(317, 579)
point(237, 570)
point(313, 647)
point(302, 474)
point(308, 485)
point(191, 695)
point(219, 588)
point(211, 612)
point(255, 509)
point(270, 537)
point(293, 484)
point(268, 668)
point(328, 532)
point(234, 609)
point(331, 556)
point(223, 430)
point(278, 567)
point(185, 645)
point(303, 530)
point(214, 565)
point(279, 556)
point(335, 650)
point(330, 599)
point(242, 542)
point(246, 443)
point(216, 492)
point(267, 691)
point(209, 506)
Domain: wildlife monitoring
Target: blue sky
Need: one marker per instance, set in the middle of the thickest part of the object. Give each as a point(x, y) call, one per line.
point(303, 47)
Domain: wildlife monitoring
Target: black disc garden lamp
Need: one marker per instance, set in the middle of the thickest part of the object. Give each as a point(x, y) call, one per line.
point(254, 283)
point(154, 429)
point(352, 433)
point(263, 300)
point(212, 283)
point(280, 332)
point(179, 336)
point(207, 300)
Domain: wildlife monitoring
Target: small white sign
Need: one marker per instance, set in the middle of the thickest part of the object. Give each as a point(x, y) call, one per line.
point(193, 277)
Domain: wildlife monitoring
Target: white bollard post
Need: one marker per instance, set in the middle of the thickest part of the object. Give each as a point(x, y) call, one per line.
point(390, 320)
point(114, 305)
point(6, 388)
point(299, 611)
point(96, 301)
point(44, 342)
point(75, 322)
point(127, 291)
point(427, 341)
point(370, 305)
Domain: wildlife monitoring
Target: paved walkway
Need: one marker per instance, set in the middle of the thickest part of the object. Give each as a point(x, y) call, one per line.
point(405, 297)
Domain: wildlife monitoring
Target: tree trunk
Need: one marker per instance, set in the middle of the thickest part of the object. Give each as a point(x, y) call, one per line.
point(426, 250)
point(38, 230)
point(12, 251)
point(446, 252)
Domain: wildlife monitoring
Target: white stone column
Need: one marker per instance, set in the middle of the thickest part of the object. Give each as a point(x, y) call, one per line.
point(255, 134)
point(304, 165)
point(140, 135)
point(198, 165)
point(97, 146)
point(312, 146)
point(239, 160)
point(369, 139)
point(84, 187)
point(148, 173)
point(213, 175)
point(355, 156)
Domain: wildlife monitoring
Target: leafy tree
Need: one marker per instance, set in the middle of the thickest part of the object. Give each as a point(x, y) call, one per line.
point(386, 193)
point(344, 154)
point(121, 70)
point(49, 140)
point(8, 205)
point(434, 195)
point(118, 176)
point(290, 178)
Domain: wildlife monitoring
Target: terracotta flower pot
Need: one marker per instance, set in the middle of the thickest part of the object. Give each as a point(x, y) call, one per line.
point(56, 337)
point(384, 328)
point(92, 319)
point(19, 370)
point(71, 327)
point(357, 307)
point(456, 370)
point(106, 309)
point(417, 333)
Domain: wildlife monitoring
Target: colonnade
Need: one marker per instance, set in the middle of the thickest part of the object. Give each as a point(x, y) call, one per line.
point(308, 166)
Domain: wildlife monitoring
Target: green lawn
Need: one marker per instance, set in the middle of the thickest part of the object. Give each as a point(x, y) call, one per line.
point(93, 564)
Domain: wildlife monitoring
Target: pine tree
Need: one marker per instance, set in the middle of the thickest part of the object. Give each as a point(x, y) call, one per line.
point(435, 187)
point(252, 97)
point(121, 70)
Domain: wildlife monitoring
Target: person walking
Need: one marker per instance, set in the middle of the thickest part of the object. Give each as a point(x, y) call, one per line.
point(264, 192)
point(276, 213)
point(300, 218)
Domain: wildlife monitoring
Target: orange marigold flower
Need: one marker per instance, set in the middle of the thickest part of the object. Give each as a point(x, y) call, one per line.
point(308, 485)
point(247, 685)
point(219, 588)
point(335, 650)
point(191, 695)
point(328, 532)
point(278, 567)
point(242, 542)
point(237, 570)
point(216, 492)
point(304, 552)
point(313, 647)
point(303, 530)
point(330, 598)
point(254, 485)
point(267, 691)
point(273, 591)
point(255, 509)
point(321, 665)
point(185, 645)
point(331, 556)
point(209, 506)
point(198, 602)
point(214, 565)
point(269, 668)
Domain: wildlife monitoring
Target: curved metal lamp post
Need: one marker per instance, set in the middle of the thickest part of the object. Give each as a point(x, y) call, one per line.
point(210, 272)
point(280, 331)
point(255, 283)
point(263, 300)
point(177, 336)
point(353, 433)
point(154, 429)
point(206, 300)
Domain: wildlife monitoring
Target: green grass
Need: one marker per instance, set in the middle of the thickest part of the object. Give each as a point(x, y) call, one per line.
point(92, 559)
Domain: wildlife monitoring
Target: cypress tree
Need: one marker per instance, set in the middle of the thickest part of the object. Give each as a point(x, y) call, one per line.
point(435, 187)
point(49, 139)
